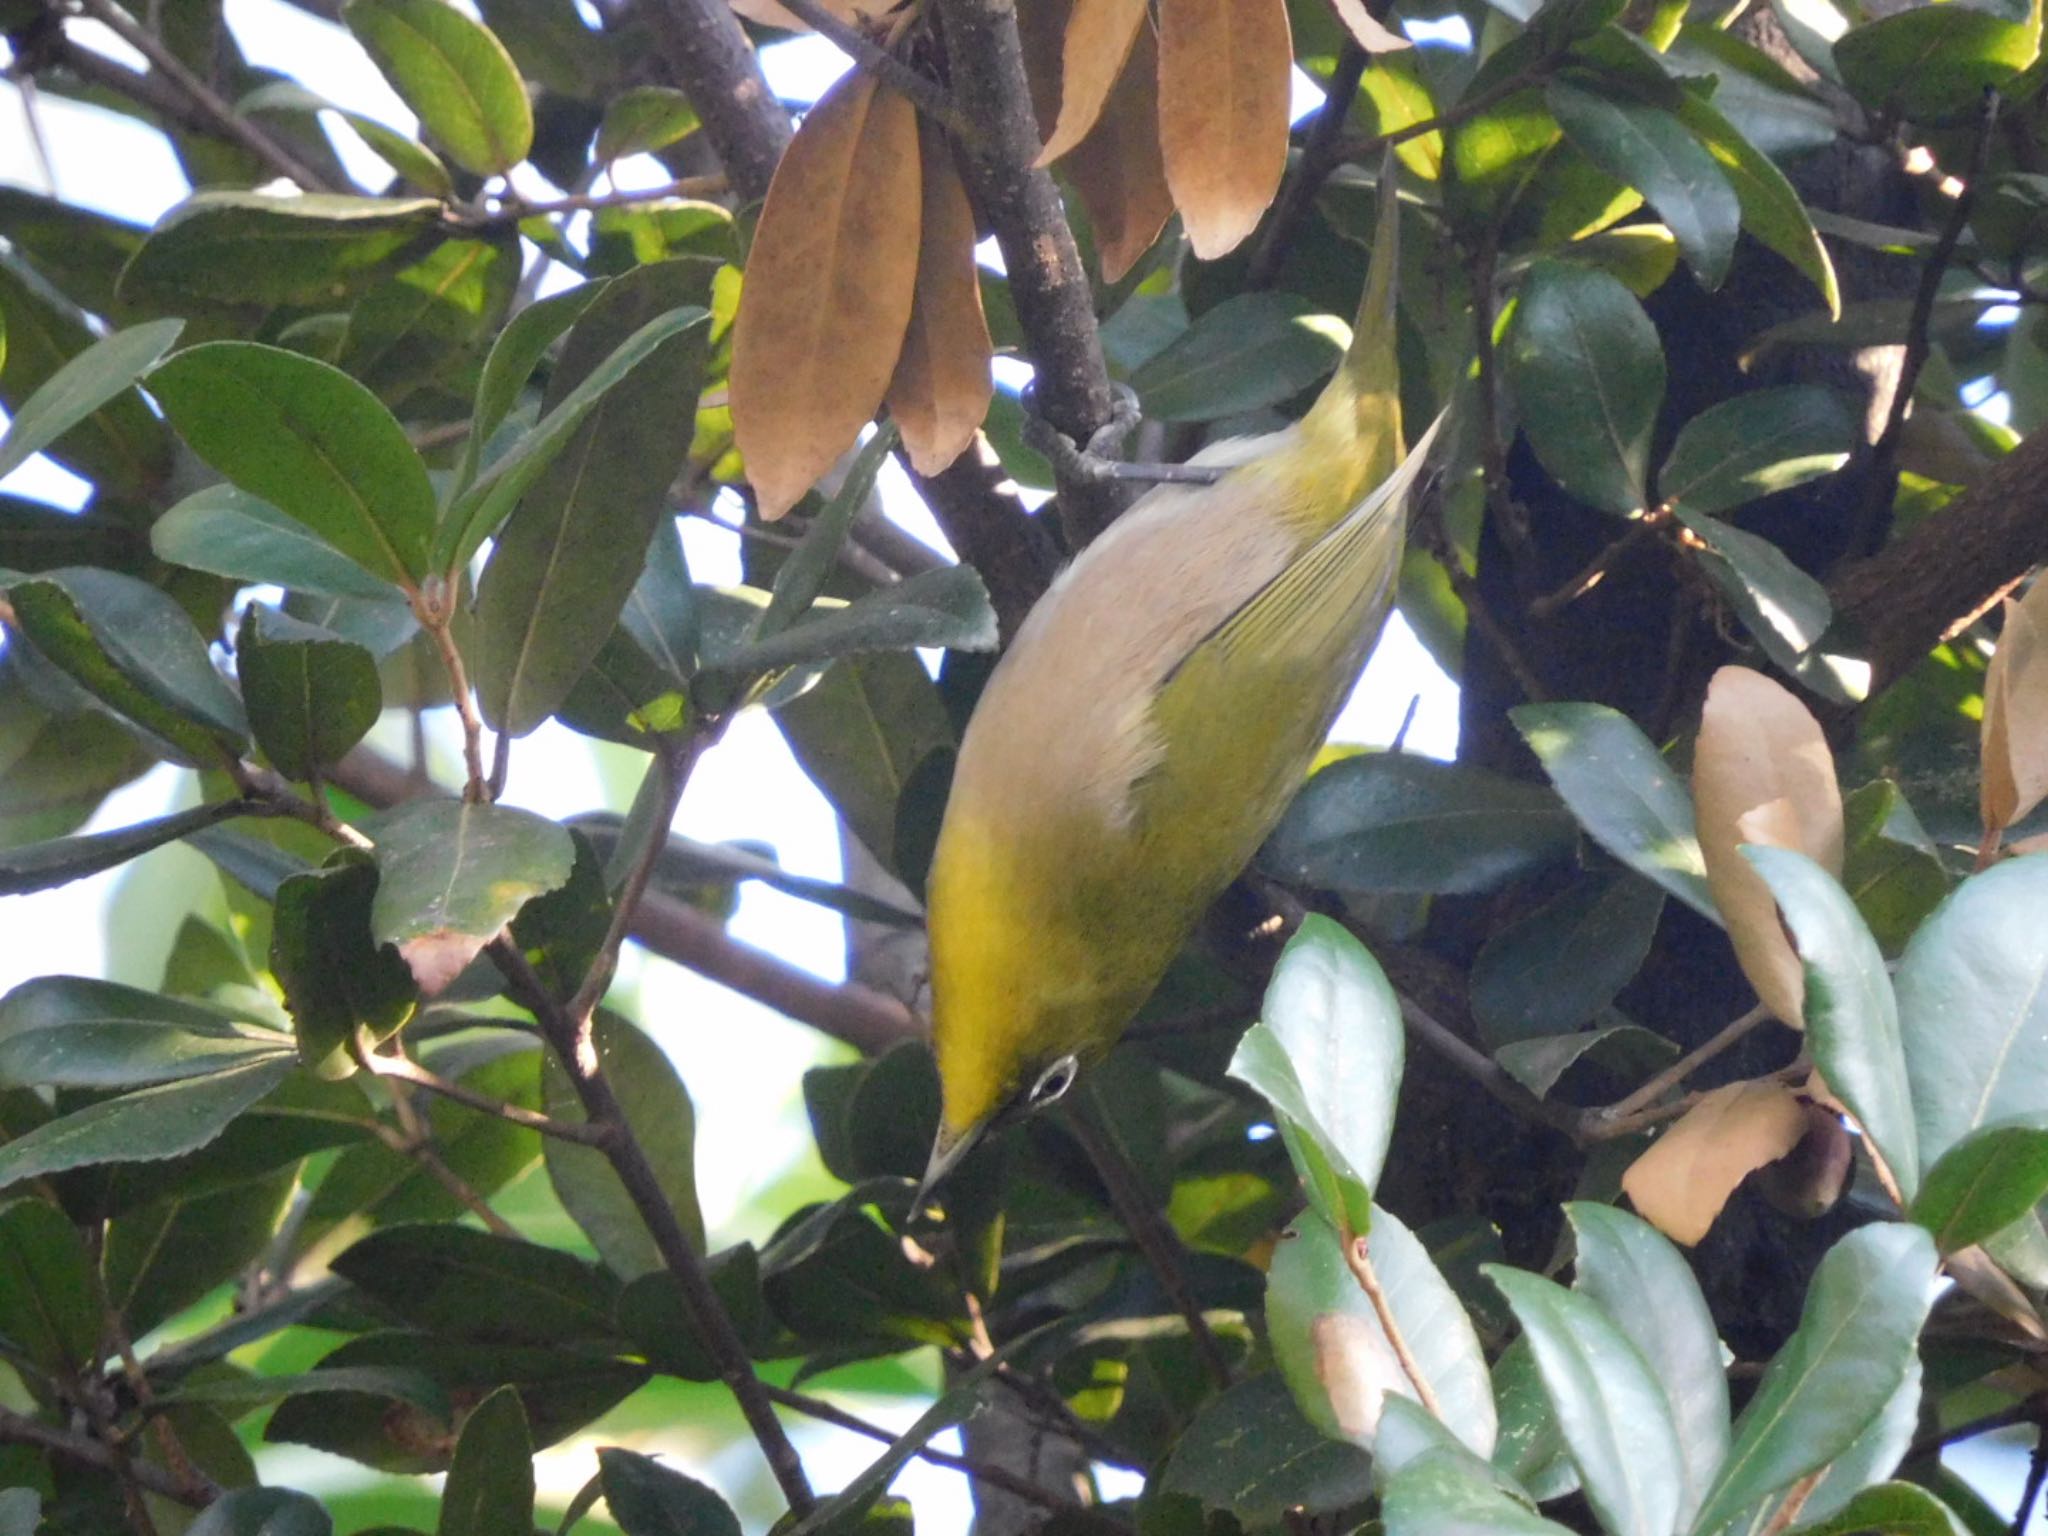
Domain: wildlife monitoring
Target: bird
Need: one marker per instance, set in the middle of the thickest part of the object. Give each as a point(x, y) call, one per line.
point(1150, 721)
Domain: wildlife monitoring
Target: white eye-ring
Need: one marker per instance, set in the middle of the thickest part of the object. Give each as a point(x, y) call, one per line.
point(1053, 1082)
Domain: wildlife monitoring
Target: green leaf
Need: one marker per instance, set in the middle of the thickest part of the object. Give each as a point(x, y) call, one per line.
point(414, 162)
point(489, 1491)
point(477, 513)
point(513, 357)
point(311, 695)
point(454, 74)
point(461, 1283)
point(1623, 793)
point(71, 1032)
point(1554, 969)
point(1984, 1183)
point(1250, 351)
point(101, 373)
point(228, 532)
point(1783, 607)
point(1588, 376)
point(1647, 1289)
point(1934, 66)
point(1327, 1055)
point(1646, 148)
point(947, 607)
point(262, 1512)
point(336, 979)
point(1438, 1497)
point(1329, 1346)
point(47, 1310)
point(245, 248)
point(1771, 210)
point(1889, 864)
point(1610, 1406)
point(311, 441)
point(1388, 821)
point(1756, 445)
point(422, 324)
point(846, 1510)
point(1873, 1455)
point(240, 1393)
point(1855, 1343)
point(1531, 1449)
point(1540, 1062)
point(80, 250)
point(122, 445)
point(134, 650)
point(29, 867)
point(1897, 1509)
point(643, 119)
point(168, 1120)
point(453, 874)
point(21, 1511)
point(164, 1255)
point(1972, 991)
point(1251, 1454)
point(658, 1109)
point(1852, 1020)
point(570, 553)
point(803, 575)
point(649, 1499)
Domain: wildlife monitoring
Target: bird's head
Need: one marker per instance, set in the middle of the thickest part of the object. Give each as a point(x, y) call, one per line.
point(966, 1116)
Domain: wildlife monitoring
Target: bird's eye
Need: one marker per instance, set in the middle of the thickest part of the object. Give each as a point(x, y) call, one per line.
point(1053, 1082)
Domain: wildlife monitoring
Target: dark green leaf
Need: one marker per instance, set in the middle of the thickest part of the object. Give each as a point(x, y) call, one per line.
point(1588, 375)
point(657, 1107)
point(262, 1512)
point(422, 322)
point(1934, 65)
point(489, 1491)
point(1623, 793)
point(513, 357)
point(1852, 1020)
point(230, 533)
point(240, 1393)
point(134, 650)
point(164, 1121)
point(1254, 350)
point(1251, 1454)
point(1647, 1289)
point(247, 248)
point(101, 373)
point(835, 1276)
point(1645, 147)
point(1771, 210)
point(311, 695)
point(40, 866)
point(162, 1257)
point(846, 1510)
point(35, 536)
point(1855, 1343)
point(571, 552)
point(1786, 609)
point(1387, 821)
point(803, 575)
point(1327, 1055)
point(312, 442)
point(643, 119)
point(1984, 1183)
point(1554, 969)
point(453, 874)
point(1539, 1062)
point(1610, 1406)
point(80, 250)
point(947, 607)
point(71, 1032)
point(1439, 1497)
point(336, 979)
point(461, 1283)
point(1754, 446)
point(1889, 865)
point(1897, 1509)
point(47, 1309)
point(649, 1499)
point(1531, 1449)
point(414, 162)
point(454, 74)
point(1972, 991)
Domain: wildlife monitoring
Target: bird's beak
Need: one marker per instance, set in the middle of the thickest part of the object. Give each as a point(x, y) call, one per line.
point(947, 1151)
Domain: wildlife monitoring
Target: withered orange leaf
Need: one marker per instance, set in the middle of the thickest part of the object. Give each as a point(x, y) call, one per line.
point(1042, 29)
point(1225, 84)
point(770, 14)
point(828, 289)
point(1681, 1183)
point(943, 381)
point(1117, 169)
point(2015, 729)
point(1098, 41)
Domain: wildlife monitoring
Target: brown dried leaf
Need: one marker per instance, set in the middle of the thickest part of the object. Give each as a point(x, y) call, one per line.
point(828, 289)
point(1681, 1183)
point(1367, 30)
point(1098, 41)
point(1225, 84)
point(943, 382)
point(1762, 773)
point(1357, 1370)
point(1042, 30)
point(769, 14)
point(1117, 169)
point(2015, 734)
point(435, 959)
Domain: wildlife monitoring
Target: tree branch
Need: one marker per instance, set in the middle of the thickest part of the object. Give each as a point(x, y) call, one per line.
point(988, 527)
point(711, 60)
point(924, 93)
point(20, 1429)
point(1320, 152)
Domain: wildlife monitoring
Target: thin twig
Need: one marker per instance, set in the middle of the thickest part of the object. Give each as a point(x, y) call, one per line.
point(1484, 1070)
point(414, 1138)
point(1319, 155)
point(925, 93)
point(1478, 612)
point(1648, 1093)
point(440, 627)
point(224, 117)
point(1596, 1128)
point(405, 1069)
point(20, 1429)
point(1597, 568)
point(514, 209)
point(1149, 1230)
point(1360, 1264)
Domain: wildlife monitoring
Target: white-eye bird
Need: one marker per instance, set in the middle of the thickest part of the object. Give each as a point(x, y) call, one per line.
point(1150, 721)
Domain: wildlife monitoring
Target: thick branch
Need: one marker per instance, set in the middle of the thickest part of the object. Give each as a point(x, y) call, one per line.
point(1022, 205)
point(988, 527)
point(714, 64)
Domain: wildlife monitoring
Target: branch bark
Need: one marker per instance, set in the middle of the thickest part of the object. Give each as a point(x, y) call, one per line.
point(988, 528)
point(714, 65)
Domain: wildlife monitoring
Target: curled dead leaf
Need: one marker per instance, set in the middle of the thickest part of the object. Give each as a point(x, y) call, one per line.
point(1762, 773)
point(1097, 43)
point(1357, 1369)
point(1681, 1183)
point(2015, 731)
point(1226, 72)
point(943, 383)
point(829, 288)
point(1117, 169)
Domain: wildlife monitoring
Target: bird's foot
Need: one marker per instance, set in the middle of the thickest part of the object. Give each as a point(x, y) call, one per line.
point(1096, 463)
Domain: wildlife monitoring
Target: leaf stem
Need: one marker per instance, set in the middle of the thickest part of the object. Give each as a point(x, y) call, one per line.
point(438, 621)
point(1601, 1120)
point(1360, 1264)
point(404, 1069)
point(514, 209)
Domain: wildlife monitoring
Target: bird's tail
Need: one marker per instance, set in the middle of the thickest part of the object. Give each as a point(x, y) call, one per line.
point(1365, 393)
